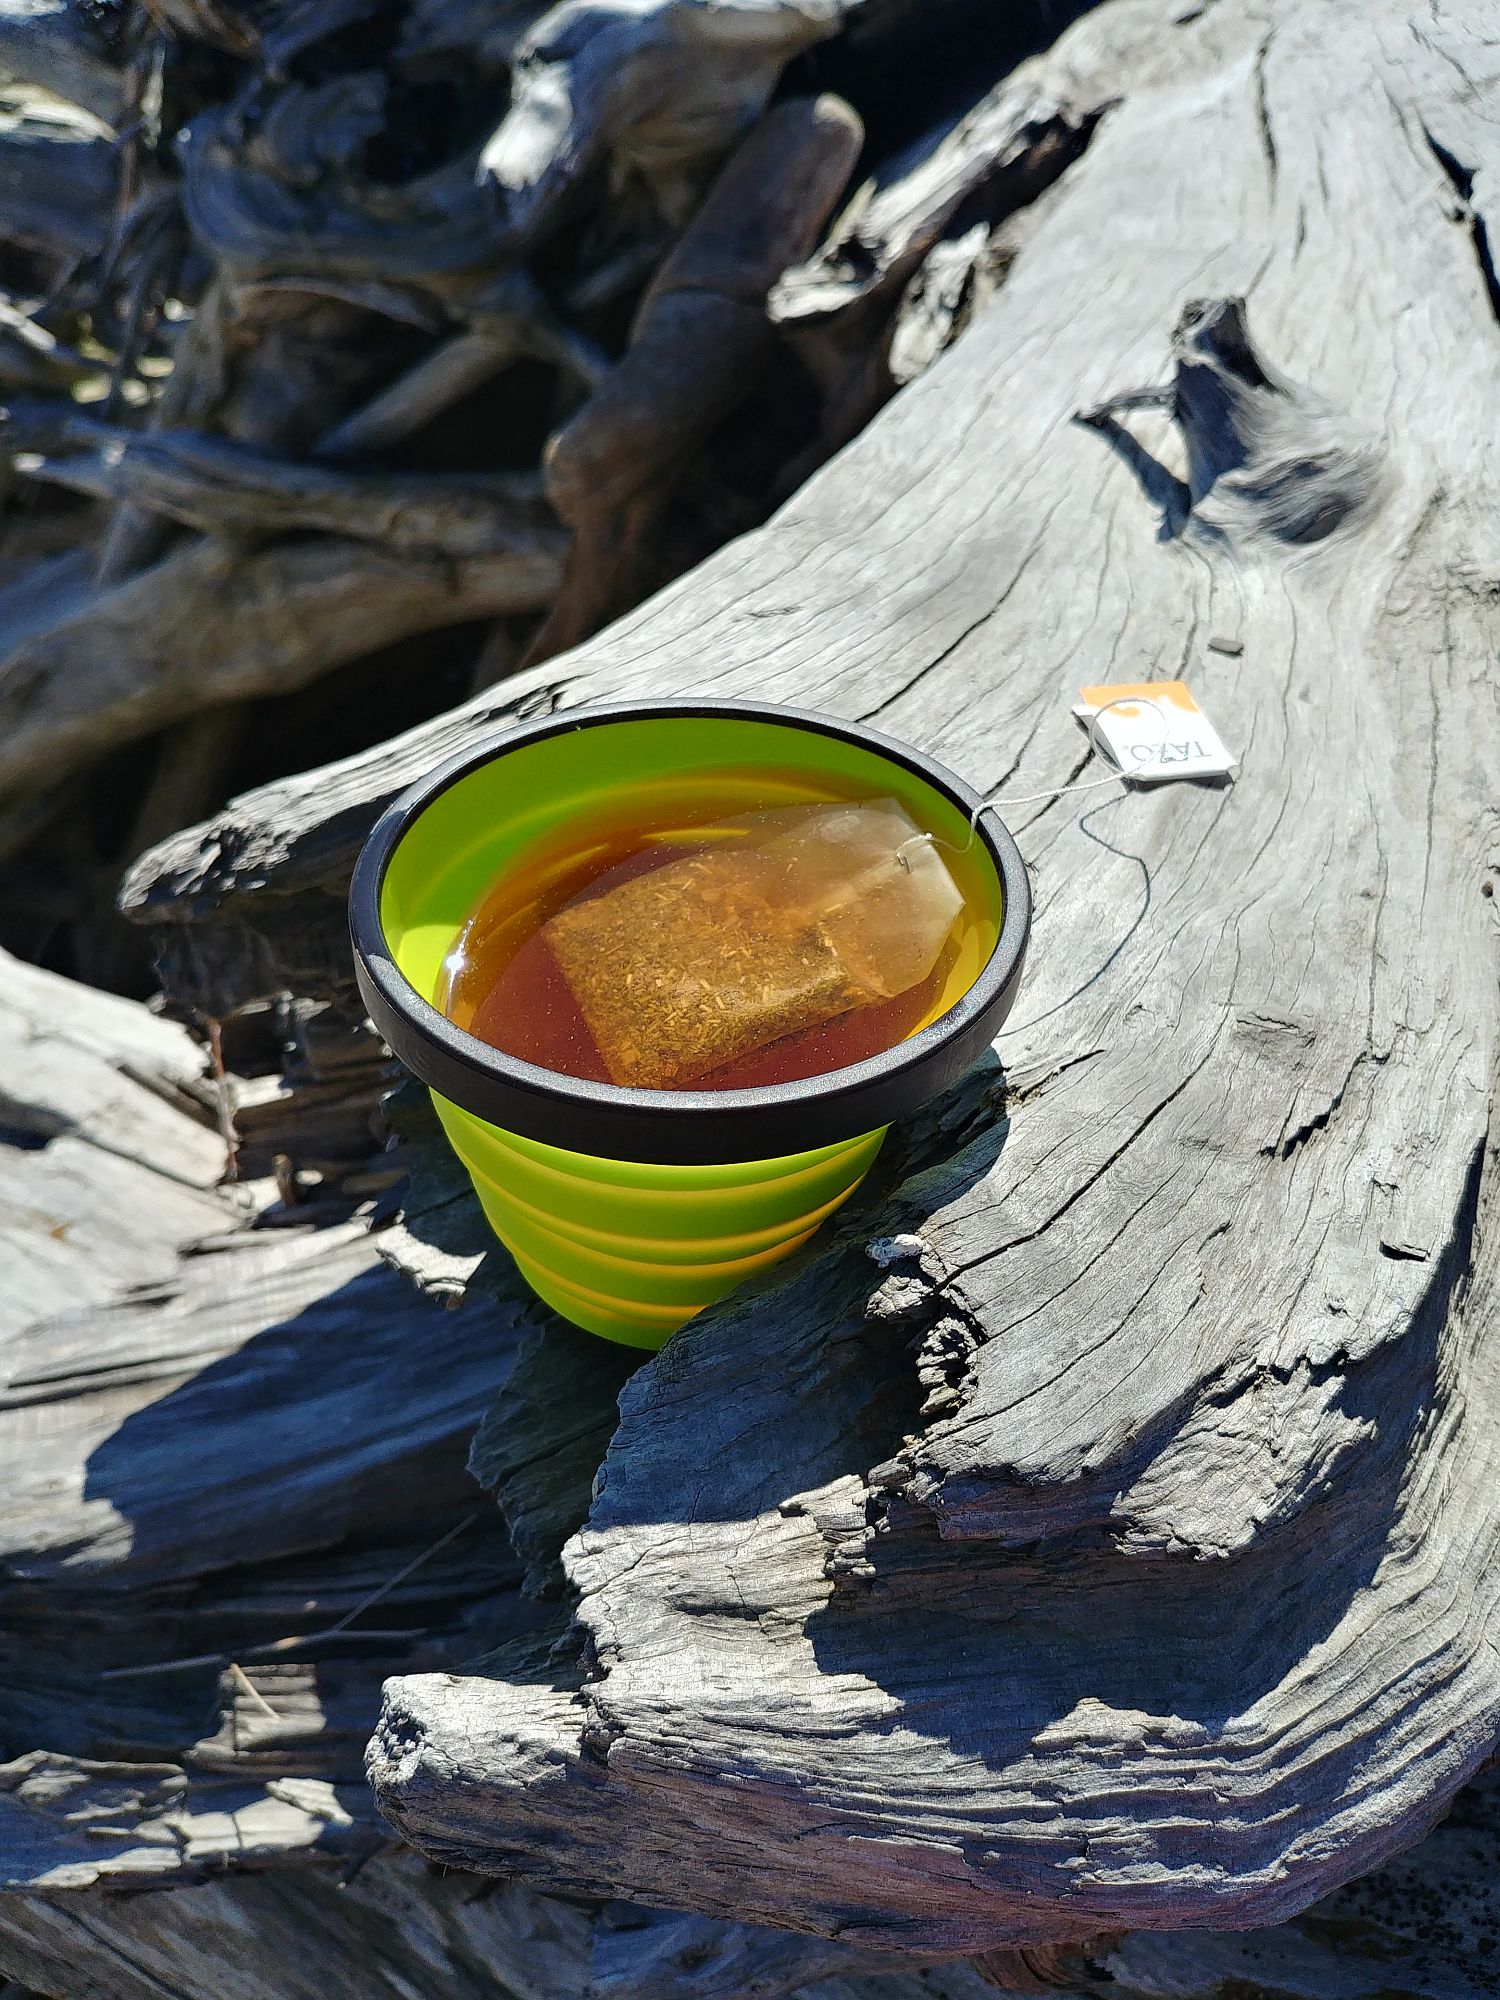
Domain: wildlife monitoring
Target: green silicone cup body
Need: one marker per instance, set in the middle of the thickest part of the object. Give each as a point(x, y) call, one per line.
point(630, 1247)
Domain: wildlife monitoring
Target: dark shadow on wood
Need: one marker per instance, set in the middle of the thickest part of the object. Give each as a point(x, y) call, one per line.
point(330, 1446)
point(1166, 492)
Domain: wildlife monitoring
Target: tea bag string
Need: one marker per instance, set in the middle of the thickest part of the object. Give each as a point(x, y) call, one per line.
point(1096, 743)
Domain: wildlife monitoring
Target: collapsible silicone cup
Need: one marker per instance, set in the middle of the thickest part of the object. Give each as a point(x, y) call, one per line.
point(630, 1210)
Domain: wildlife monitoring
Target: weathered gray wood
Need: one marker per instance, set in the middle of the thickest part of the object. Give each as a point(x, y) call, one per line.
point(209, 1458)
point(312, 292)
point(1419, 1927)
point(57, 185)
point(662, 89)
point(1426, 1925)
point(52, 43)
point(211, 624)
point(700, 341)
point(106, 1162)
point(251, 202)
point(264, 1817)
point(397, 1929)
point(508, 320)
point(961, 180)
point(1098, 1526)
point(220, 1472)
point(1119, 1556)
point(540, 1448)
point(224, 489)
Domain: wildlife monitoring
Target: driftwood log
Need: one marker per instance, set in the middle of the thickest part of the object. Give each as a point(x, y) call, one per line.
point(1076, 1571)
point(210, 1331)
point(339, 275)
point(1113, 1552)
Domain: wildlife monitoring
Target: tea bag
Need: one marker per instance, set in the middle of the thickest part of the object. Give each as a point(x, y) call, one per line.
point(777, 922)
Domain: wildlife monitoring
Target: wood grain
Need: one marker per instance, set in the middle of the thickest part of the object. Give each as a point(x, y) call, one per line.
point(1095, 1531)
point(1121, 1561)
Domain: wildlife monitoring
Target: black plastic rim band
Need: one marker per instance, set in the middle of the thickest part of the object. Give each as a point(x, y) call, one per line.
point(684, 1127)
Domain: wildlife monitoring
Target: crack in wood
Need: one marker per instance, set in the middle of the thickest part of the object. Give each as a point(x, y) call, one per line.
point(1461, 180)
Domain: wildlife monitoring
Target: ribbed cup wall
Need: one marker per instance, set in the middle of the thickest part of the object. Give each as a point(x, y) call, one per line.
point(630, 1250)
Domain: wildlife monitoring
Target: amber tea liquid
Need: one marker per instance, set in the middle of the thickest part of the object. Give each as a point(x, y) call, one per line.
point(504, 986)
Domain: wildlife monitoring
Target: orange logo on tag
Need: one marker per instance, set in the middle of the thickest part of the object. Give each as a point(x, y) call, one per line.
point(1154, 730)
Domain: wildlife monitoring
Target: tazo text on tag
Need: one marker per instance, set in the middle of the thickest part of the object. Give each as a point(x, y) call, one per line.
point(1154, 730)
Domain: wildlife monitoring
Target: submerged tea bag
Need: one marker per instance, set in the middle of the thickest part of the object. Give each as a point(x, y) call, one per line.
point(776, 923)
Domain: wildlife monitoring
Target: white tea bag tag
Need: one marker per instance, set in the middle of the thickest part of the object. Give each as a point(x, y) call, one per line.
point(1154, 730)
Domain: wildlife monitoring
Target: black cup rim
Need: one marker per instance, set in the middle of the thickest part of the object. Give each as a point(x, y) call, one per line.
point(683, 1127)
